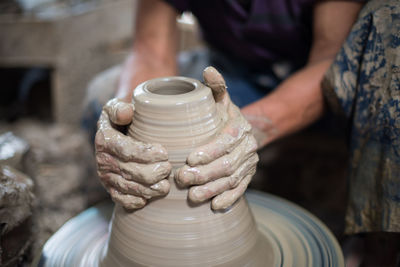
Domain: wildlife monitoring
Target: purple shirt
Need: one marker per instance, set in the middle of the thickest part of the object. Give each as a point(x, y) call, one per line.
point(269, 31)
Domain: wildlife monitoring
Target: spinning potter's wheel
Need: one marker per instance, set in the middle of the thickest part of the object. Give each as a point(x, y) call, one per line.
point(290, 235)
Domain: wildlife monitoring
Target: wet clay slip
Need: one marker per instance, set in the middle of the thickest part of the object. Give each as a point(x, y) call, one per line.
point(180, 114)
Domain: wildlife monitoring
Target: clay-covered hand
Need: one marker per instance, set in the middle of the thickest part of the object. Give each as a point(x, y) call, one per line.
point(223, 168)
point(130, 170)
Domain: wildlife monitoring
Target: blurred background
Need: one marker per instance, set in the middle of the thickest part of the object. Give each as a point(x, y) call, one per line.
point(50, 50)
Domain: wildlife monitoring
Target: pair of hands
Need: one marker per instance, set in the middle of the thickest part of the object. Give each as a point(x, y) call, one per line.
point(134, 172)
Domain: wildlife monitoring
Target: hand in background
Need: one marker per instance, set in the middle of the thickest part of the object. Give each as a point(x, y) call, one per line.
point(130, 170)
point(223, 168)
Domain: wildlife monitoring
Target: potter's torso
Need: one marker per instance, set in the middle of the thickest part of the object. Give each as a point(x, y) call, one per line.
point(256, 32)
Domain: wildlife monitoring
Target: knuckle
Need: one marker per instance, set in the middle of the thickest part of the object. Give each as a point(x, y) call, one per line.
point(246, 125)
point(105, 162)
point(228, 166)
point(99, 140)
point(134, 187)
point(252, 161)
point(233, 131)
point(233, 180)
point(252, 143)
point(100, 158)
point(103, 177)
point(121, 184)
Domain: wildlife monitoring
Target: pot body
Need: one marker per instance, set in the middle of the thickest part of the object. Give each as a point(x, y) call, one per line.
point(181, 114)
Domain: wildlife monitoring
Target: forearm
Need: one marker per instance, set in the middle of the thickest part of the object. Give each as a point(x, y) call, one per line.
point(154, 48)
point(295, 104)
point(298, 101)
point(156, 32)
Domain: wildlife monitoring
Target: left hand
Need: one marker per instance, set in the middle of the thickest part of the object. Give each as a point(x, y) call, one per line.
point(131, 171)
point(223, 168)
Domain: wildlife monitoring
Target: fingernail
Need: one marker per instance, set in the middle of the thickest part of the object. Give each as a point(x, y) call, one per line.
point(219, 204)
point(189, 177)
point(160, 170)
point(196, 194)
point(215, 204)
point(123, 113)
point(198, 158)
point(162, 187)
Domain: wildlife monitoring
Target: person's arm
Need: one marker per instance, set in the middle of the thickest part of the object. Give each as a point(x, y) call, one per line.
point(154, 47)
point(298, 101)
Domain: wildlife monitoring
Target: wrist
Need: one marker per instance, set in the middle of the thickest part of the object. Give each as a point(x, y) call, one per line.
point(263, 127)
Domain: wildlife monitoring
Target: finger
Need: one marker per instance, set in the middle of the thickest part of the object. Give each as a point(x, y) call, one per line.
point(142, 173)
point(225, 142)
point(129, 202)
point(227, 198)
point(221, 167)
point(145, 173)
point(129, 187)
point(119, 112)
point(203, 192)
point(214, 80)
point(124, 147)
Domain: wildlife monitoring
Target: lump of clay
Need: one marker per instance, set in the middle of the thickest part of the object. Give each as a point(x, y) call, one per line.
point(12, 148)
point(16, 201)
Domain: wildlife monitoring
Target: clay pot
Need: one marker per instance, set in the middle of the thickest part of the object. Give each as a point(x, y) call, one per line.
point(180, 114)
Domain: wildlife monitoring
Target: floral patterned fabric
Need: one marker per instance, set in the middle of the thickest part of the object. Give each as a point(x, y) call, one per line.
point(363, 85)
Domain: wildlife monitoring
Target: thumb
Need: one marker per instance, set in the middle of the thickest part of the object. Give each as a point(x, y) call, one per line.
point(214, 80)
point(119, 112)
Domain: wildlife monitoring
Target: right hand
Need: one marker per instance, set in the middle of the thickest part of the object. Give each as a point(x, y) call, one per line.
point(131, 171)
point(222, 169)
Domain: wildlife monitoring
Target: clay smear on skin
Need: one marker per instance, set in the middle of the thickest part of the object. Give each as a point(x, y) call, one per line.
point(226, 153)
point(149, 231)
point(132, 171)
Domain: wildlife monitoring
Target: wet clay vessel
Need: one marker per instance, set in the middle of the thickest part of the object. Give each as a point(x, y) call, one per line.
point(181, 114)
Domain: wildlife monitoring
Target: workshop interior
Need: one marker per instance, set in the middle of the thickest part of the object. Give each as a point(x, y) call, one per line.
point(200, 133)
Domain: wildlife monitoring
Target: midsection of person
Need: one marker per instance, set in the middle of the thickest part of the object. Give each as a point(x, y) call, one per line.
point(257, 33)
point(294, 104)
